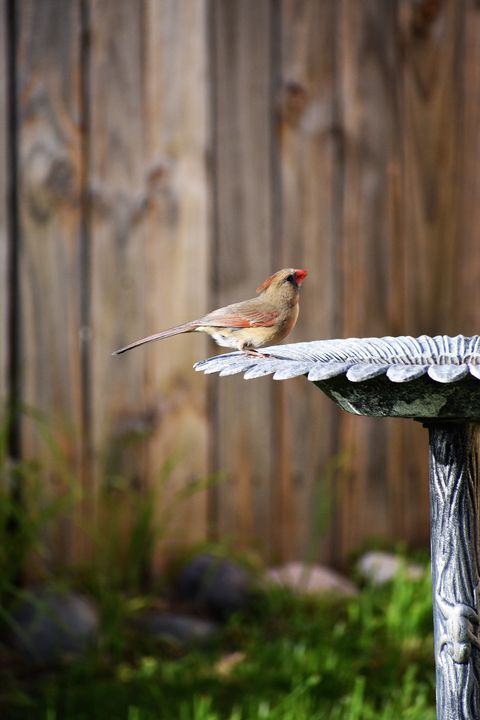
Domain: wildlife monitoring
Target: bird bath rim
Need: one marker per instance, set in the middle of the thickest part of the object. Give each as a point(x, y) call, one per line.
point(424, 377)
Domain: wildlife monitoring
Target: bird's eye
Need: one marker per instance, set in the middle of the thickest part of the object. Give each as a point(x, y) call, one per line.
point(290, 278)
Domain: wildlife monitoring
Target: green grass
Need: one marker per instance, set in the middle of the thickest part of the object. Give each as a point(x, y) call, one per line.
point(361, 659)
point(365, 658)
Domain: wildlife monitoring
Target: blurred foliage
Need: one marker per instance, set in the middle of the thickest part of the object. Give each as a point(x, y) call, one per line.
point(293, 657)
point(296, 657)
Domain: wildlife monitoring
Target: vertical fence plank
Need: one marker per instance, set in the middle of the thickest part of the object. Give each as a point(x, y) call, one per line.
point(148, 99)
point(242, 435)
point(308, 156)
point(372, 293)
point(177, 98)
point(467, 255)
point(120, 415)
point(4, 283)
point(432, 48)
point(49, 210)
point(121, 418)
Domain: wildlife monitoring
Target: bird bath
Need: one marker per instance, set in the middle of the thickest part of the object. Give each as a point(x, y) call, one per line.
point(435, 380)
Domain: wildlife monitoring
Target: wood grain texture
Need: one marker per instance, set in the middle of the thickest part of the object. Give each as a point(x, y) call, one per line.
point(432, 46)
point(467, 118)
point(308, 151)
point(49, 154)
point(178, 227)
point(120, 414)
point(343, 136)
point(148, 98)
point(433, 191)
point(371, 260)
point(242, 448)
point(4, 213)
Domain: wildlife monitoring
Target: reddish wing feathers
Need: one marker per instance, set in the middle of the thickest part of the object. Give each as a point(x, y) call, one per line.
point(236, 316)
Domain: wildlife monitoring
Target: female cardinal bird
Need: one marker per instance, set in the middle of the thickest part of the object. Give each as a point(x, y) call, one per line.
point(250, 324)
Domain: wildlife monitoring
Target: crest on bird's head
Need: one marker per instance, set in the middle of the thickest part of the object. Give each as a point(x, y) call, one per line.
point(291, 275)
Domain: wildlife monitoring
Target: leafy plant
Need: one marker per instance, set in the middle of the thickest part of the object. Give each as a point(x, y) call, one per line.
point(363, 658)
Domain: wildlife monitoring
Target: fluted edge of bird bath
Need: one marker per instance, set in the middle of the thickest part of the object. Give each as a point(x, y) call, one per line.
point(423, 377)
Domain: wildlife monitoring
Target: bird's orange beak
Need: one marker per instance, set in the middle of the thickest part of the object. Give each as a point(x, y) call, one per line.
point(300, 276)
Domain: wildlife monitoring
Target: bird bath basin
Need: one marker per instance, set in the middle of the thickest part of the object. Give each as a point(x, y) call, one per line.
point(435, 380)
point(393, 377)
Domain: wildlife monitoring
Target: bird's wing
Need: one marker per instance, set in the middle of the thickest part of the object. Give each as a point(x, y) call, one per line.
point(241, 315)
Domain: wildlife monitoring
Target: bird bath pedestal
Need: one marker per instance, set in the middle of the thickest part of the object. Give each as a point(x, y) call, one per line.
point(435, 380)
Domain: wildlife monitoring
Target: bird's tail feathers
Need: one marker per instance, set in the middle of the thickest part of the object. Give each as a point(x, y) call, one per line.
point(187, 327)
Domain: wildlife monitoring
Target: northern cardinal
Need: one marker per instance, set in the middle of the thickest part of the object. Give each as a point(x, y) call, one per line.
point(250, 324)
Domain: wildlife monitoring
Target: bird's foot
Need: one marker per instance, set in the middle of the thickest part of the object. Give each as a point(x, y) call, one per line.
point(255, 353)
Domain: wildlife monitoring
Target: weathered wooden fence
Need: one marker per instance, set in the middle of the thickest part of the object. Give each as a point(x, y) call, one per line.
point(159, 158)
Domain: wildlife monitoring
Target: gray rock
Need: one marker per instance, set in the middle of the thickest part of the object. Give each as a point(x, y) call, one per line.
point(51, 626)
point(182, 630)
point(381, 567)
point(310, 579)
point(214, 585)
